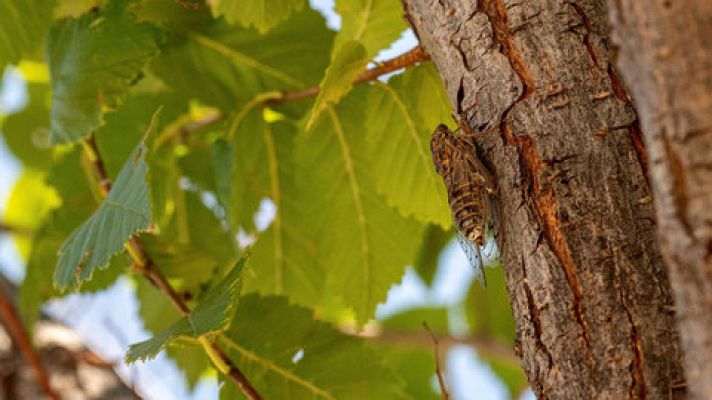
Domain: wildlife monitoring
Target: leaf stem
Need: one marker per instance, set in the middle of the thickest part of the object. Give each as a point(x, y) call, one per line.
point(214, 357)
point(19, 334)
point(92, 154)
point(144, 264)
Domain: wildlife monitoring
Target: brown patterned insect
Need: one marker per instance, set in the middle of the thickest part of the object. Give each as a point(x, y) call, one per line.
point(468, 183)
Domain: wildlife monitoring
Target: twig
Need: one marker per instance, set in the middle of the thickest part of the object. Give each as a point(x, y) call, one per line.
point(485, 345)
point(22, 340)
point(188, 4)
point(412, 56)
point(415, 55)
point(97, 165)
point(16, 230)
point(438, 370)
point(143, 263)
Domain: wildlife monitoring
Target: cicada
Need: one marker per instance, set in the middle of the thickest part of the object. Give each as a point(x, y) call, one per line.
point(468, 183)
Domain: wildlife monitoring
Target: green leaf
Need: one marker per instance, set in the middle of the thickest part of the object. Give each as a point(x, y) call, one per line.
point(191, 359)
point(27, 132)
point(412, 320)
point(511, 373)
point(125, 126)
point(156, 311)
point(23, 25)
point(349, 61)
point(191, 248)
point(236, 64)
point(250, 182)
point(367, 27)
point(223, 166)
point(38, 287)
point(93, 61)
point(401, 117)
point(374, 23)
point(67, 179)
point(434, 241)
point(173, 15)
point(283, 260)
point(488, 310)
point(211, 315)
point(158, 314)
point(75, 8)
point(187, 266)
point(416, 367)
point(197, 164)
point(263, 15)
point(362, 243)
point(125, 211)
point(163, 180)
point(285, 353)
point(29, 202)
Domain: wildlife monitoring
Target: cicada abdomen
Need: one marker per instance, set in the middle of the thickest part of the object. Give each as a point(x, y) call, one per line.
point(468, 183)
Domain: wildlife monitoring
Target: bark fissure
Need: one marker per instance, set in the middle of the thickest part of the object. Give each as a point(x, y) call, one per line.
point(677, 176)
point(497, 15)
point(545, 204)
point(587, 37)
point(637, 388)
point(636, 135)
point(538, 332)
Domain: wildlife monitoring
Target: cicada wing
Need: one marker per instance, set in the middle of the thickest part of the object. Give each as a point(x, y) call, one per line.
point(474, 256)
point(490, 252)
point(478, 169)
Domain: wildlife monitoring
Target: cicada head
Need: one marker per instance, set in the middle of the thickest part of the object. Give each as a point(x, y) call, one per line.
point(442, 146)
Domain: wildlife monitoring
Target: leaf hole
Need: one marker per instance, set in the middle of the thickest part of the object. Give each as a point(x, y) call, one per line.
point(298, 356)
point(265, 214)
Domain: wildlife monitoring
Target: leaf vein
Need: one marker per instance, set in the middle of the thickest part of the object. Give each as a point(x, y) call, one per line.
point(268, 364)
point(276, 198)
point(355, 192)
point(249, 61)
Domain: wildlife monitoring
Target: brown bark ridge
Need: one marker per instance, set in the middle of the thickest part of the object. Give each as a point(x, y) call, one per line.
point(666, 58)
point(574, 218)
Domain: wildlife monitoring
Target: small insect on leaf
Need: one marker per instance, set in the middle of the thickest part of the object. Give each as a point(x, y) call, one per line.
point(468, 183)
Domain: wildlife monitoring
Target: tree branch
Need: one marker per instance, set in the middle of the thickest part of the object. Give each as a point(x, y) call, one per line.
point(15, 230)
point(21, 338)
point(485, 346)
point(411, 57)
point(144, 264)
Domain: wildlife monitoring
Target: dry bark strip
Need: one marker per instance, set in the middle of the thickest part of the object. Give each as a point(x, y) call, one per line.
point(666, 58)
point(574, 214)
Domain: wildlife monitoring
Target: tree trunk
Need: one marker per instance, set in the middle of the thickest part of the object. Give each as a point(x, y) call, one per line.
point(574, 216)
point(666, 57)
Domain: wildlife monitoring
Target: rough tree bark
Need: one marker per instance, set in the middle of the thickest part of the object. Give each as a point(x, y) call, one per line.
point(575, 221)
point(666, 57)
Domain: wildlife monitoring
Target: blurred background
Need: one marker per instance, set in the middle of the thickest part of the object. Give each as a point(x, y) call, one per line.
point(477, 356)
